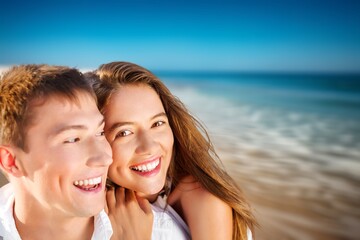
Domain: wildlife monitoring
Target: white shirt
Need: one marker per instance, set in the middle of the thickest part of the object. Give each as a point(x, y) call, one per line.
point(8, 231)
point(168, 225)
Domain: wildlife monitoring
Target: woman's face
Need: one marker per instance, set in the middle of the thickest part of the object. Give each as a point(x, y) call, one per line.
point(141, 139)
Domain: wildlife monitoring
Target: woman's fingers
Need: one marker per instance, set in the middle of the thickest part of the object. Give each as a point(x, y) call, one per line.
point(110, 199)
point(131, 216)
point(130, 196)
point(120, 196)
point(144, 205)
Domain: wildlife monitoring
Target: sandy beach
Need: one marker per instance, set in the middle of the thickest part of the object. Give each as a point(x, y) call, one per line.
point(284, 208)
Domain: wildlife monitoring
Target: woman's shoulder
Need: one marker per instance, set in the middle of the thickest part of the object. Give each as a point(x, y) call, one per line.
point(194, 197)
point(188, 183)
point(188, 186)
point(195, 203)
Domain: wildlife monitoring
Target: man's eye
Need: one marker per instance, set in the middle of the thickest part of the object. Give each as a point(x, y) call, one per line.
point(72, 140)
point(100, 134)
point(158, 123)
point(123, 133)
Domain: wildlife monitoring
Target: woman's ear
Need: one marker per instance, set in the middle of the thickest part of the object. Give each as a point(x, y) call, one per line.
point(8, 163)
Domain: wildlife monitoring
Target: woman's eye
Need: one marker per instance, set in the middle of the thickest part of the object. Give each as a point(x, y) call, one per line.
point(158, 123)
point(72, 140)
point(123, 133)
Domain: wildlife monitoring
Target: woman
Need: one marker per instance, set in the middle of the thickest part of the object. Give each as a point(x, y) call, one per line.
point(159, 148)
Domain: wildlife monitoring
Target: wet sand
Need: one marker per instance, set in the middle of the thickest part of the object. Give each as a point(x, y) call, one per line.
point(289, 203)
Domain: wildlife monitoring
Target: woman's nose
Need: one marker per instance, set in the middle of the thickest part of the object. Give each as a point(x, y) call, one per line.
point(146, 143)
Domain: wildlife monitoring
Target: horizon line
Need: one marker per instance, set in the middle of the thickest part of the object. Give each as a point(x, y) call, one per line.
point(164, 71)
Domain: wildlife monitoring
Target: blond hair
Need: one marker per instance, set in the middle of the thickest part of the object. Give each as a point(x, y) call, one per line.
point(24, 83)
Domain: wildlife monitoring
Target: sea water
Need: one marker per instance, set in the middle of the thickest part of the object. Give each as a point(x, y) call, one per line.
point(292, 141)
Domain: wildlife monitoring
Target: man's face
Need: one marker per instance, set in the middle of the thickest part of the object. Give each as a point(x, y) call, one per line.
point(66, 158)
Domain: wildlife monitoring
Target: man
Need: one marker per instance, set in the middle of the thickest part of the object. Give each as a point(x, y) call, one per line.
point(54, 155)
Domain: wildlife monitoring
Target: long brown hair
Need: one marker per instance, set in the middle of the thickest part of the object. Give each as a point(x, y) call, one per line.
point(194, 153)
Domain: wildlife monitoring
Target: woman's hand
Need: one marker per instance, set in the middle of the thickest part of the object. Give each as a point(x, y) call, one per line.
point(131, 216)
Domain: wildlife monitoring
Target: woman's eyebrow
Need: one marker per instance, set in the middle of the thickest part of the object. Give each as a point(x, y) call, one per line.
point(120, 124)
point(117, 125)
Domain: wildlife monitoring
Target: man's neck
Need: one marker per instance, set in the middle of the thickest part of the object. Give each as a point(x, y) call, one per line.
point(34, 223)
point(54, 231)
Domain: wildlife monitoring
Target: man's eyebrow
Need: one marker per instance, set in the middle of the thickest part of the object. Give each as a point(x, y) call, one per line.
point(119, 124)
point(73, 127)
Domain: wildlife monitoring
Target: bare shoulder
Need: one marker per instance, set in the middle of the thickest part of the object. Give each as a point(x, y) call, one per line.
point(195, 197)
point(191, 189)
point(188, 188)
point(195, 204)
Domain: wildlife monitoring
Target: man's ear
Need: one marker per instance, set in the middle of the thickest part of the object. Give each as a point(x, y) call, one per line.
point(8, 162)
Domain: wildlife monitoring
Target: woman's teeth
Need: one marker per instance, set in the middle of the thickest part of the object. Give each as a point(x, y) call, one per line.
point(88, 182)
point(146, 167)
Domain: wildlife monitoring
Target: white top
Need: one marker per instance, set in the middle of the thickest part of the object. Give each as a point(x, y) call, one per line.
point(8, 231)
point(249, 234)
point(167, 223)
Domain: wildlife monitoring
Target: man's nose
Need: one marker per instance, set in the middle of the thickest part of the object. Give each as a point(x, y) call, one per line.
point(100, 153)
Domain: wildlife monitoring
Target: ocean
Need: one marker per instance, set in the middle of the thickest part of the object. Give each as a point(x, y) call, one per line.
point(291, 141)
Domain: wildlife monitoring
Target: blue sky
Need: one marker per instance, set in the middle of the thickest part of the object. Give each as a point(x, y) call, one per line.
point(184, 35)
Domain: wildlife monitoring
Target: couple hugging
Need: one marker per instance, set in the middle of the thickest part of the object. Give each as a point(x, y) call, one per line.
point(109, 154)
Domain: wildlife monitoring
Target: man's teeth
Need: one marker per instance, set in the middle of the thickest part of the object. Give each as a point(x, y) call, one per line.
point(88, 182)
point(146, 167)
